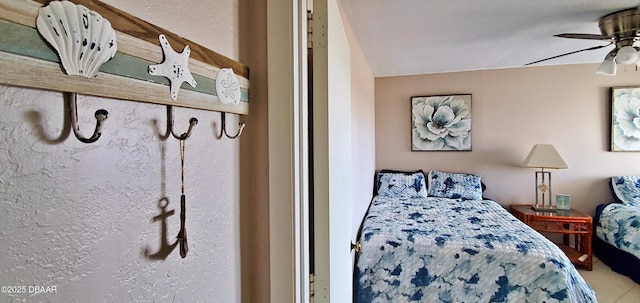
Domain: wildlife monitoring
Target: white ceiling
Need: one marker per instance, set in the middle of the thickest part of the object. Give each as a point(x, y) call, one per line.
point(406, 37)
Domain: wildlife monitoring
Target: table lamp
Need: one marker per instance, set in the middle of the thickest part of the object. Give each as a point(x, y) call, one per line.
point(544, 156)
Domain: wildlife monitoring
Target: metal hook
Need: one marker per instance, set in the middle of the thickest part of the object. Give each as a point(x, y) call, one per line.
point(100, 114)
point(192, 122)
point(224, 128)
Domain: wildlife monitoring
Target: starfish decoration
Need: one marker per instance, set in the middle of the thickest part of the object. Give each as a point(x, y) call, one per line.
point(175, 67)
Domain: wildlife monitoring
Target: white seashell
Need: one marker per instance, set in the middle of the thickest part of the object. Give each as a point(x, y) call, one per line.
point(227, 86)
point(83, 39)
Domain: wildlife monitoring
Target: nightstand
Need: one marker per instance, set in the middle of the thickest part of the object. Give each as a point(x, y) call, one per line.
point(575, 226)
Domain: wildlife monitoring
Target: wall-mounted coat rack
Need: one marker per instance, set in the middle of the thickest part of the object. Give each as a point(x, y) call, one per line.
point(88, 47)
point(27, 60)
point(223, 128)
point(101, 115)
point(192, 122)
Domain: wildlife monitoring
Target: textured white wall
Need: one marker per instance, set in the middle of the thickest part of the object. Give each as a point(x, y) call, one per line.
point(80, 216)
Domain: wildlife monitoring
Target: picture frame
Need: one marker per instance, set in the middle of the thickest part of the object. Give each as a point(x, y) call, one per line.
point(563, 202)
point(441, 123)
point(625, 134)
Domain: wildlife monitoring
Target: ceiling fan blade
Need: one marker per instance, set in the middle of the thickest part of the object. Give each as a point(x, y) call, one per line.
point(570, 53)
point(584, 36)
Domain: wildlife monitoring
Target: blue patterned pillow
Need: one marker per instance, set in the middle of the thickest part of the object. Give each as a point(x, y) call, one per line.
point(402, 185)
point(455, 186)
point(626, 189)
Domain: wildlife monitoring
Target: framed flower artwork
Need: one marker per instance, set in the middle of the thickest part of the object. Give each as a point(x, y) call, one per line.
point(625, 119)
point(441, 123)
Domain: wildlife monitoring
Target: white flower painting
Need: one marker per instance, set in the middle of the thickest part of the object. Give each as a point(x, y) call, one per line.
point(441, 123)
point(625, 119)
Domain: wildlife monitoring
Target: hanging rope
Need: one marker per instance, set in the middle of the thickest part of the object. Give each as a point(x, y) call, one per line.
point(182, 235)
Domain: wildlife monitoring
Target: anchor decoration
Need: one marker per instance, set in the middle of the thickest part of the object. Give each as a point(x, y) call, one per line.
point(165, 248)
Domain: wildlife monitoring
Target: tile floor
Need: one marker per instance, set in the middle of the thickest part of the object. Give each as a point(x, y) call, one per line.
point(609, 286)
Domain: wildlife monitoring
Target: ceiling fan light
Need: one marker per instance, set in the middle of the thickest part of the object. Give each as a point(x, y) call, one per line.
point(627, 55)
point(607, 67)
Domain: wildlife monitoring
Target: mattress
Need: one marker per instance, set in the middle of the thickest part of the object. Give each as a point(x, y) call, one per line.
point(445, 250)
point(619, 225)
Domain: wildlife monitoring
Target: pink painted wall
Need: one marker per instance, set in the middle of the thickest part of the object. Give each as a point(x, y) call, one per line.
point(513, 109)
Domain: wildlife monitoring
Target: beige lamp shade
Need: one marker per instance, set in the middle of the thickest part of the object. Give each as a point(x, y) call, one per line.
point(544, 156)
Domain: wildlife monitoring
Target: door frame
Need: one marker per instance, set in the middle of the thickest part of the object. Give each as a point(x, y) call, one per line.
point(288, 151)
point(332, 154)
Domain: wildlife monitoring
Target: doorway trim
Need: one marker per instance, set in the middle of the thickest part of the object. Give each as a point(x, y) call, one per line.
point(288, 150)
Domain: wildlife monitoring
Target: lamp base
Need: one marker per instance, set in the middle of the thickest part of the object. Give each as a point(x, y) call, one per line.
point(542, 208)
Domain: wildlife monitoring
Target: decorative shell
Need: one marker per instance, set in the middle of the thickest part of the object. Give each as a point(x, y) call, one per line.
point(227, 86)
point(83, 39)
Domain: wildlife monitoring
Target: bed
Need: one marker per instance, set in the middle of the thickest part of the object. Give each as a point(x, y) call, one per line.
point(617, 228)
point(448, 244)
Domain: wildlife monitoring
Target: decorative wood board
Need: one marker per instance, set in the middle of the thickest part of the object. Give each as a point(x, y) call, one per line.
point(27, 60)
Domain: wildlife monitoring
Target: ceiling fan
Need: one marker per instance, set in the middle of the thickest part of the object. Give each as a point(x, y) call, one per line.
point(622, 29)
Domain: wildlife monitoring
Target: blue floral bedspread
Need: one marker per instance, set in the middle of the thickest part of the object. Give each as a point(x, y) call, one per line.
point(443, 250)
point(619, 225)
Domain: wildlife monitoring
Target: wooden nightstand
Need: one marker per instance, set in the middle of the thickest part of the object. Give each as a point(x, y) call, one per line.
point(575, 226)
